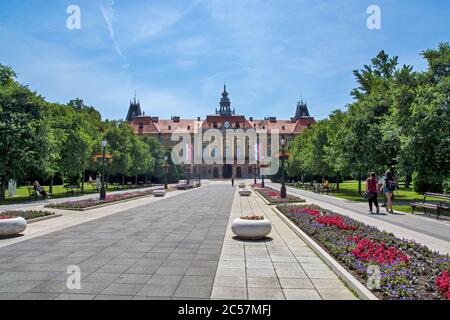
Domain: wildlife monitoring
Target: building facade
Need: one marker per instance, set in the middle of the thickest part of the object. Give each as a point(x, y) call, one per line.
point(224, 119)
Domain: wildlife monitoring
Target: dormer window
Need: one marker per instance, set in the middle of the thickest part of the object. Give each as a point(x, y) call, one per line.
point(189, 127)
point(283, 128)
point(170, 128)
point(141, 126)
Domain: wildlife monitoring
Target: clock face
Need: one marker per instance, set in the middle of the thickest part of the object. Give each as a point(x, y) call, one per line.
point(226, 124)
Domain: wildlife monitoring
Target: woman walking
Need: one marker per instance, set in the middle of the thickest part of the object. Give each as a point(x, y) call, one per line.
point(389, 188)
point(372, 192)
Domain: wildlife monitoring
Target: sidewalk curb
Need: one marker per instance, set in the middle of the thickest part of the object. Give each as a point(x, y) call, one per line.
point(56, 215)
point(340, 271)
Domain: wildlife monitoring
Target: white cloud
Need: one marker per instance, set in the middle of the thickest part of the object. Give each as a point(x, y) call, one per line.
point(108, 14)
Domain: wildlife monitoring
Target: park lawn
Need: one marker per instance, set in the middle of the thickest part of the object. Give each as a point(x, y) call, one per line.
point(402, 197)
point(22, 194)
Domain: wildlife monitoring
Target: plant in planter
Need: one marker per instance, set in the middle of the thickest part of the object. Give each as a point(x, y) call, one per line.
point(245, 193)
point(159, 193)
point(251, 227)
point(274, 196)
point(11, 225)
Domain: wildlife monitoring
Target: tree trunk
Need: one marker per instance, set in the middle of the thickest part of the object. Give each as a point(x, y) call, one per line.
point(408, 181)
point(123, 179)
point(3, 188)
point(136, 180)
point(50, 188)
point(82, 181)
point(337, 182)
point(359, 183)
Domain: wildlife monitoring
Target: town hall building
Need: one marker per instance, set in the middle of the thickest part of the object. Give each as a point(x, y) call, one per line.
point(224, 118)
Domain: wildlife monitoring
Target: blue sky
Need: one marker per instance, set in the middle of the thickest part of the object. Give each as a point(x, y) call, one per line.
point(178, 54)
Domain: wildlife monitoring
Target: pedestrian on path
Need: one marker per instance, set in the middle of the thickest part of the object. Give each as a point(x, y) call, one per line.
point(389, 188)
point(381, 186)
point(232, 181)
point(372, 192)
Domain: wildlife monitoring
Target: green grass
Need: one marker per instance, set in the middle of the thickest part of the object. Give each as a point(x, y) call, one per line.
point(58, 192)
point(402, 197)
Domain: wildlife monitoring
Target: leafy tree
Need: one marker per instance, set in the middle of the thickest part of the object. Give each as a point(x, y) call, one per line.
point(22, 129)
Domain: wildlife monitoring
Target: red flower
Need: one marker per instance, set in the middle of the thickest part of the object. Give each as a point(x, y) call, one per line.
point(311, 212)
point(336, 221)
point(370, 251)
point(443, 283)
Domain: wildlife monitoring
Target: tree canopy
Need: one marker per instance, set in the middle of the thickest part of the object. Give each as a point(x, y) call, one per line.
point(399, 120)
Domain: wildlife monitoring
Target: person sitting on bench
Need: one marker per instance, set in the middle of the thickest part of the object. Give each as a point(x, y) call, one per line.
point(37, 187)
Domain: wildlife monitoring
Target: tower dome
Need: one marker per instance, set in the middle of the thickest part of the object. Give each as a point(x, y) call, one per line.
point(225, 104)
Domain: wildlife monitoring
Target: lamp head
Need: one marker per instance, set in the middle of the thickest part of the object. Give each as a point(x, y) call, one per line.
point(104, 142)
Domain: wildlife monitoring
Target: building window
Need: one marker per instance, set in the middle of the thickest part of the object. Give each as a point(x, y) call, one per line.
point(189, 127)
point(170, 127)
point(215, 125)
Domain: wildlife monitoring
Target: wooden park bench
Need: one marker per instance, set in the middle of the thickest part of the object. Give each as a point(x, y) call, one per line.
point(118, 186)
point(328, 189)
point(72, 189)
point(33, 194)
point(94, 187)
point(443, 204)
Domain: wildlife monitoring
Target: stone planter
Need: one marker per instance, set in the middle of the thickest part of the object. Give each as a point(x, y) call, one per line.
point(245, 193)
point(159, 193)
point(9, 227)
point(251, 229)
point(241, 185)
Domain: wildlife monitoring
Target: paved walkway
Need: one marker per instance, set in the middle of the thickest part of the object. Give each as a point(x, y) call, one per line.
point(72, 218)
point(169, 249)
point(282, 267)
point(431, 232)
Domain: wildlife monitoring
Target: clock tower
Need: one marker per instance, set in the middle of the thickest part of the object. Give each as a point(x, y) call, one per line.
point(225, 104)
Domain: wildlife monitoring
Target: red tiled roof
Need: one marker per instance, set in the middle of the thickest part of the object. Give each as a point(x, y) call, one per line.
point(145, 124)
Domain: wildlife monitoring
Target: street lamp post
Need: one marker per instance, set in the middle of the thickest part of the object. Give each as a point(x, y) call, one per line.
point(188, 174)
point(256, 172)
point(103, 189)
point(166, 167)
point(283, 182)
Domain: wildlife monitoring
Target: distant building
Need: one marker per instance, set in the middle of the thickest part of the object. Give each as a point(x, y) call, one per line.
point(224, 118)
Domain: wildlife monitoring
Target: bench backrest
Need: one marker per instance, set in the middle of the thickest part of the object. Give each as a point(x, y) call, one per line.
point(437, 195)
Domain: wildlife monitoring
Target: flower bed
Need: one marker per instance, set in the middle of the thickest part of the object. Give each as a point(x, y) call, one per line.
point(93, 202)
point(408, 270)
point(27, 215)
point(274, 196)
